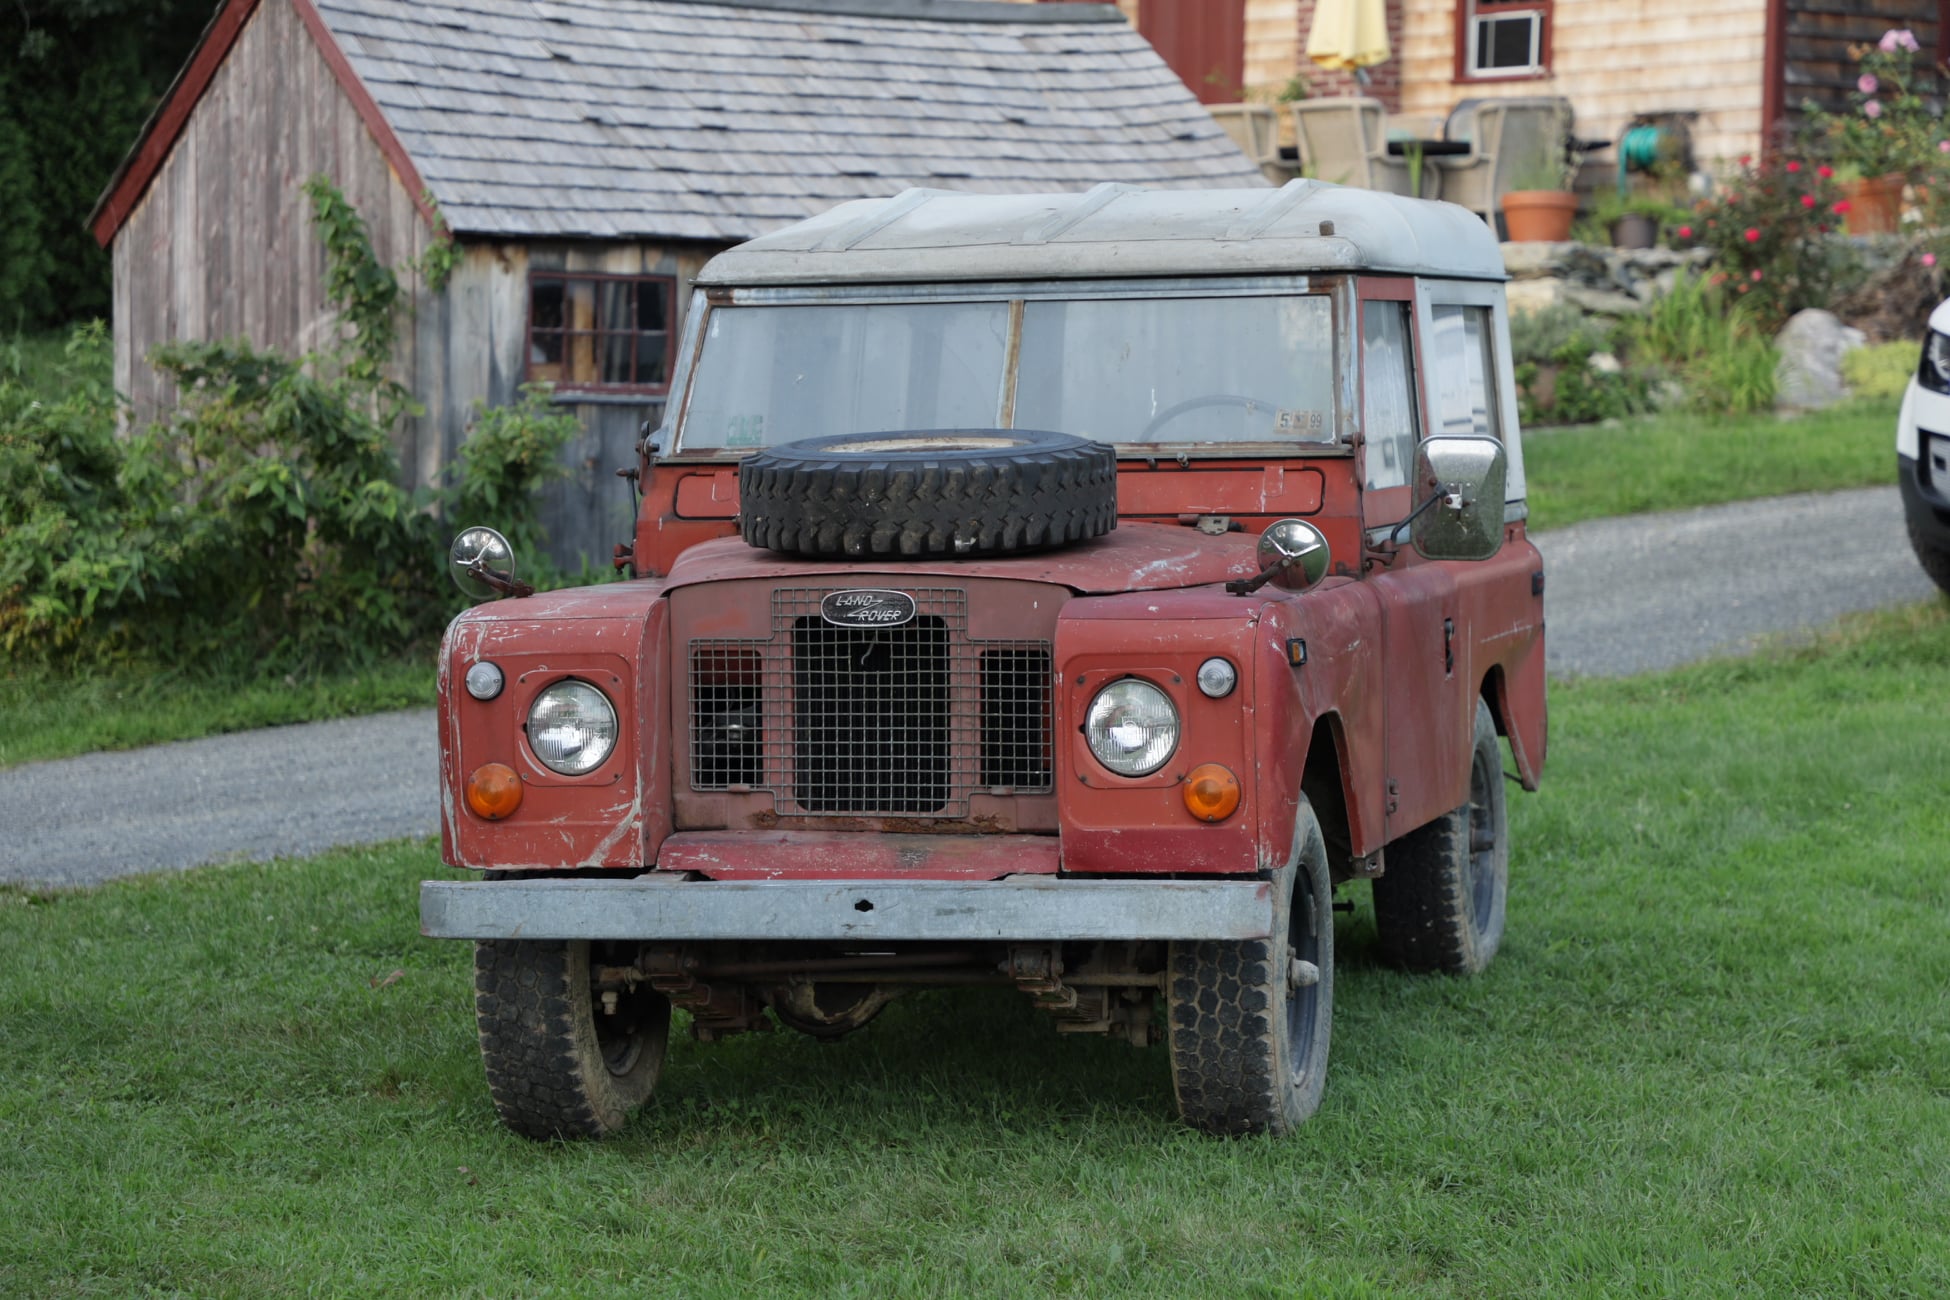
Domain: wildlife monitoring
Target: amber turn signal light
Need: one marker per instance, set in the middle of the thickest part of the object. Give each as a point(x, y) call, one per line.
point(494, 791)
point(1211, 792)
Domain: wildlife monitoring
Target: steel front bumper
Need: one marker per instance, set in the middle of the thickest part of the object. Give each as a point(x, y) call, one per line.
point(662, 906)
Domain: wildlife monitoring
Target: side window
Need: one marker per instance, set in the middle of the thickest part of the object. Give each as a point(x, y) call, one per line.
point(1387, 393)
point(1461, 372)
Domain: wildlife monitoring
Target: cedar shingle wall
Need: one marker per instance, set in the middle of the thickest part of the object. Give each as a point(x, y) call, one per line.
point(1615, 58)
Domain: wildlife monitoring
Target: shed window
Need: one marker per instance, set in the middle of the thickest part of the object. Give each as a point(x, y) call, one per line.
point(600, 331)
point(1503, 38)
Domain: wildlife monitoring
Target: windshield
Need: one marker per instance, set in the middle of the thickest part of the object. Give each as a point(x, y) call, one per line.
point(1218, 370)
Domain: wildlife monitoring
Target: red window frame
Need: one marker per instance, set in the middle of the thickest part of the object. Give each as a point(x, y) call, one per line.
point(1467, 11)
point(584, 337)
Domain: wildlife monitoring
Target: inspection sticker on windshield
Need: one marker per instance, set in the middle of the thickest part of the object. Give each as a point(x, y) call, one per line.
point(1310, 425)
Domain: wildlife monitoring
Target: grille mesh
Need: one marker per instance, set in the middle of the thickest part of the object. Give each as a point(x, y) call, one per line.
point(905, 721)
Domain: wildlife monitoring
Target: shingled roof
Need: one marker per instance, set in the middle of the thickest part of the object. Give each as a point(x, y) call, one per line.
point(702, 119)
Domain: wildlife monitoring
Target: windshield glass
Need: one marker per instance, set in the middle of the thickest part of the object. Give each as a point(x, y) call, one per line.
point(1217, 370)
point(1178, 369)
point(772, 374)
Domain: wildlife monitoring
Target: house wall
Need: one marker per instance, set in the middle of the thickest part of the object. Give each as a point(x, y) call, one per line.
point(1816, 63)
point(472, 346)
point(221, 244)
point(1614, 59)
point(1384, 80)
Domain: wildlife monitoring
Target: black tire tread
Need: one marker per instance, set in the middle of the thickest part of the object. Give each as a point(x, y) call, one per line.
point(917, 506)
point(538, 1044)
point(1934, 559)
point(1226, 1017)
point(1422, 918)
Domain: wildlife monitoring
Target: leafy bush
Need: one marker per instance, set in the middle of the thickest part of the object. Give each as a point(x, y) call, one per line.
point(1714, 348)
point(263, 523)
point(1556, 381)
point(1766, 228)
point(1880, 370)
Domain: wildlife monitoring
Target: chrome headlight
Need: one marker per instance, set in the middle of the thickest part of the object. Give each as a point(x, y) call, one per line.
point(571, 728)
point(1933, 371)
point(1132, 727)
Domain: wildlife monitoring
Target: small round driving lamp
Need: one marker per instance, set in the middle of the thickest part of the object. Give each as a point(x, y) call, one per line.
point(1217, 677)
point(1132, 727)
point(571, 728)
point(494, 791)
point(484, 680)
point(1211, 792)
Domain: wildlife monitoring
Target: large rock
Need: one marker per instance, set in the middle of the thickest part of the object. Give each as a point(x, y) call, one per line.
point(1808, 376)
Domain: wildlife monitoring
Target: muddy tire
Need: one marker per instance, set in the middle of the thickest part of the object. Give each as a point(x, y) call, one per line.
point(1934, 559)
point(1439, 906)
point(1249, 1020)
point(954, 493)
point(557, 1066)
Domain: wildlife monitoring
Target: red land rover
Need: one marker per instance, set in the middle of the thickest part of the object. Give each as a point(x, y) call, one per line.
point(1066, 591)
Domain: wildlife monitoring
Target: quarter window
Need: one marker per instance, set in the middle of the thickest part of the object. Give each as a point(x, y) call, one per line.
point(596, 332)
point(1462, 373)
point(1387, 393)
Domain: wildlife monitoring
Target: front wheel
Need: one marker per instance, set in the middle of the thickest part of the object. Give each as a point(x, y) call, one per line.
point(1249, 1019)
point(564, 1058)
point(1439, 906)
point(1934, 559)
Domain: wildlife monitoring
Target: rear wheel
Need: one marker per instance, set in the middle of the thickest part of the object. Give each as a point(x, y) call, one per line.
point(1440, 904)
point(1250, 1019)
point(563, 1058)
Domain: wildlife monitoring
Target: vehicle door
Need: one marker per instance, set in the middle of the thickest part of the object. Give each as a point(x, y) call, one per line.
point(1427, 367)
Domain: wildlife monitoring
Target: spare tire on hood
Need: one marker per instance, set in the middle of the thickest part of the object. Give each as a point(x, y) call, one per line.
point(927, 495)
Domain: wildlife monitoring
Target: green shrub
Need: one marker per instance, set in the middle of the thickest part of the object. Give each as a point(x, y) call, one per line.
point(1881, 369)
point(1556, 383)
point(263, 523)
point(1714, 348)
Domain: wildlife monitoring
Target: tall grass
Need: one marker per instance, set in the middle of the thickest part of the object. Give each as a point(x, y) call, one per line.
point(1713, 347)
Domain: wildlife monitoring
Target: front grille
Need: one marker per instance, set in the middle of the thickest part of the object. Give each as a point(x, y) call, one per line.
point(904, 721)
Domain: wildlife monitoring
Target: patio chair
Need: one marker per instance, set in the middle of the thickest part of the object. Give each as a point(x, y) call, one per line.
point(1505, 136)
point(1255, 128)
point(1343, 141)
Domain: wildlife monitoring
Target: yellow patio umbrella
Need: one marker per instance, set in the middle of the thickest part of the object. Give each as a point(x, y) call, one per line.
point(1349, 35)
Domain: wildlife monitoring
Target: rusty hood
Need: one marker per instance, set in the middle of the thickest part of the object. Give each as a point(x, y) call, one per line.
point(1136, 557)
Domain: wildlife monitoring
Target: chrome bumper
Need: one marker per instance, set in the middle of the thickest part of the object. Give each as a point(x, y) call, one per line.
point(665, 907)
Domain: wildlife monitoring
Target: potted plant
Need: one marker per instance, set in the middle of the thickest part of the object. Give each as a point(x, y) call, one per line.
point(1630, 219)
point(1540, 205)
point(1885, 137)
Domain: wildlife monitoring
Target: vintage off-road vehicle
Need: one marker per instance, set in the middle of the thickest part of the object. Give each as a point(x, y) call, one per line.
point(1060, 591)
point(1923, 452)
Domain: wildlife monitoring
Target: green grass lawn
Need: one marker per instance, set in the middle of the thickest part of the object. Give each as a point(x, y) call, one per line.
point(1712, 1059)
point(55, 715)
point(1678, 460)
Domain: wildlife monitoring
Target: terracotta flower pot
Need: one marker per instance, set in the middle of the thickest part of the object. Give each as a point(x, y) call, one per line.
point(1875, 205)
point(1533, 215)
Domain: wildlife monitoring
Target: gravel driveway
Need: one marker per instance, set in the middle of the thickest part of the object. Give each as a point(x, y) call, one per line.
point(1624, 596)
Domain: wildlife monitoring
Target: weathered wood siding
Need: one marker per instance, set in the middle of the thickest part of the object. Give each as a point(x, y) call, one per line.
point(1614, 59)
point(222, 245)
point(472, 345)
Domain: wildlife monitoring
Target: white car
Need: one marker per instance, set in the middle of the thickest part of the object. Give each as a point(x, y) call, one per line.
point(1923, 451)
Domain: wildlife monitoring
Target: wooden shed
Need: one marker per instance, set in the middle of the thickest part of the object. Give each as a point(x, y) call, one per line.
point(590, 156)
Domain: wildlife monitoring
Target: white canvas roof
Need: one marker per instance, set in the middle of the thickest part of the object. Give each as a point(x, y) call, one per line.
point(1113, 230)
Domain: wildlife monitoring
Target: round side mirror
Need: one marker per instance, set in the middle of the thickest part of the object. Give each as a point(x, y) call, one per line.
point(482, 564)
point(1299, 549)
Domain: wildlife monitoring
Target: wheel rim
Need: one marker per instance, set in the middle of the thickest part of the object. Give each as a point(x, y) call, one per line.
point(1479, 866)
point(1303, 1000)
point(621, 1035)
